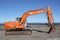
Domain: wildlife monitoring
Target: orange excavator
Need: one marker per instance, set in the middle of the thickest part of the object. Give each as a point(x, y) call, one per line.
point(18, 26)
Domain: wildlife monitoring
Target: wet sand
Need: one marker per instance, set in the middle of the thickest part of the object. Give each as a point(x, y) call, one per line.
point(38, 33)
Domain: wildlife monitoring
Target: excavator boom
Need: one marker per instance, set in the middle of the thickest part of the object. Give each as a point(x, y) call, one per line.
point(40, 11)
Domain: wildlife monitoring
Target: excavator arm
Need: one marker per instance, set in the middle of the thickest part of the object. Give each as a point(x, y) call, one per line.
point(38, 11)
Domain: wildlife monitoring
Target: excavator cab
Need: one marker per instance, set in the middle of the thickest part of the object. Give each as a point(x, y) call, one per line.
point(18, 19)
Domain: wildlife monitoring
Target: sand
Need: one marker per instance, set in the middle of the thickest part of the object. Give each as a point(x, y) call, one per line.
point(38, 33)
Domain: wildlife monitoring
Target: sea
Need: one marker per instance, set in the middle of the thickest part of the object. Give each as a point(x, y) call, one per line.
point(1, 24)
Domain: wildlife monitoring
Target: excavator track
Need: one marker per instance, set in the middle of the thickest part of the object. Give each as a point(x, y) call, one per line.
point(18, 32)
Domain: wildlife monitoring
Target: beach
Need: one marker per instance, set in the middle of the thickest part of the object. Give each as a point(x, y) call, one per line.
point(39, 32)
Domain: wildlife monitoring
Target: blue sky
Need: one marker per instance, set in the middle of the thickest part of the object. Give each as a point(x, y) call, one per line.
point(11, 9)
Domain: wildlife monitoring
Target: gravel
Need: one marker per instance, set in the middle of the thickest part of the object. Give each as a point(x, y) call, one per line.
point(38, 33)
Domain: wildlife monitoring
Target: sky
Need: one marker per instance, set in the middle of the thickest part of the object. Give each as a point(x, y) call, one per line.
point(11, 9)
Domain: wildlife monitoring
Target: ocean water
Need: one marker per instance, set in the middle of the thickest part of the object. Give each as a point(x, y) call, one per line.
point(1, 24)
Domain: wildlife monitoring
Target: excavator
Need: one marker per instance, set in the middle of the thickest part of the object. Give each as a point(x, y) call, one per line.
point(18, 27)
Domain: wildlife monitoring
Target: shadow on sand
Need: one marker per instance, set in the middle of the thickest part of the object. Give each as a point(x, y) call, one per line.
point(39, 31)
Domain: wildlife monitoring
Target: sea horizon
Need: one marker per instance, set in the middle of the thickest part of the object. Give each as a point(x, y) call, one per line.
point(1, 24)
